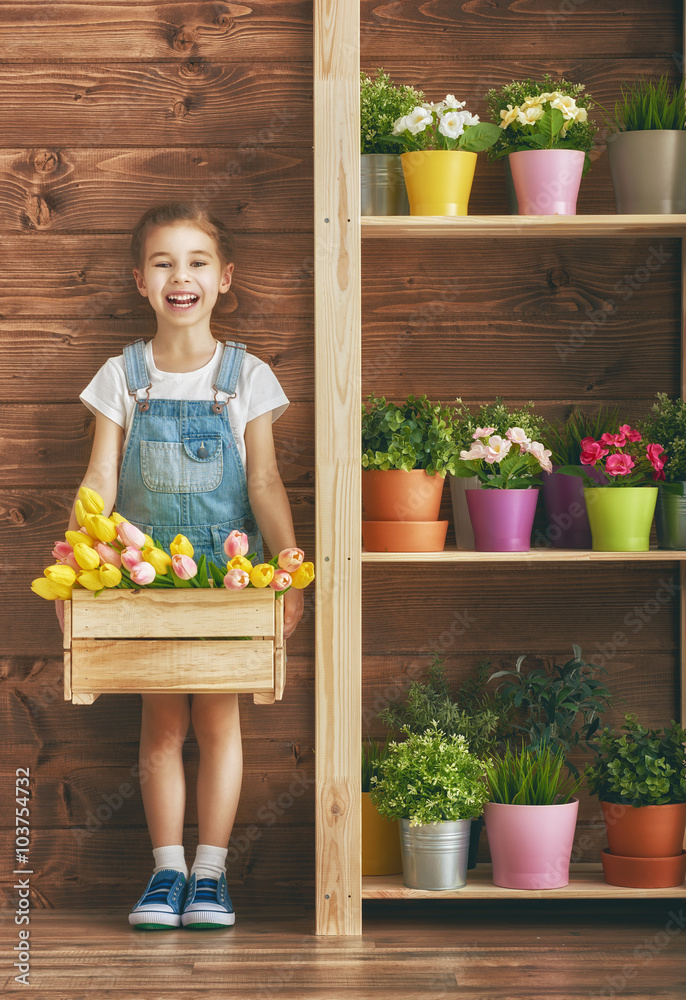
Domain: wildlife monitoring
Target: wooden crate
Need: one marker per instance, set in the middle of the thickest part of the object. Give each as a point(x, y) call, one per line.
point(152, 641)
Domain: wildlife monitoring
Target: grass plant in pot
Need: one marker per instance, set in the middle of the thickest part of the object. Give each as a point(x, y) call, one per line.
point(563, 495)
point(621, 501)
point(382, 102)
point(640, 778)
point(380, 836)
point(405, 455)
point(441, 142)
point(666, 422)
point(434, 786)
point(547, 135)
point(530, 817)
point(647, 148)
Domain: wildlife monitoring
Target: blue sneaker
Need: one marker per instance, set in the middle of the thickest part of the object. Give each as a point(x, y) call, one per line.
point(159, 908)
point(208, 904)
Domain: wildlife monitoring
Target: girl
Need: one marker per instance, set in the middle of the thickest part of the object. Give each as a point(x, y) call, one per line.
point(183, 444)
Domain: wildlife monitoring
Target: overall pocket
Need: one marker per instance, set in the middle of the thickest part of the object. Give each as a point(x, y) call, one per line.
point(193, 465)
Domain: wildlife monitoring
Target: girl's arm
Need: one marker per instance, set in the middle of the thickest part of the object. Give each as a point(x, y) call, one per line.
point(269, 504)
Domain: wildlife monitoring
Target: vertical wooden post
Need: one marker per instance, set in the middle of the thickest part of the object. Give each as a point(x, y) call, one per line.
point(682, 565)
point(338, 485)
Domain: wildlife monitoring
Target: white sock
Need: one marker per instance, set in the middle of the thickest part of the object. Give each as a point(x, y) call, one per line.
point(171, 856)
point(209, 861)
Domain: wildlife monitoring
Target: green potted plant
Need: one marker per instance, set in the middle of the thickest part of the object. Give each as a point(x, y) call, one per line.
point(563, 495)
point(434, 786)
point(382, 102)
point(441, 141)
point(405, 453)
point(530, 817)
point(546, 134)
point(465, 423)
point(380, 836)
point(647, 148)
point(640, 778)
point(666, 422)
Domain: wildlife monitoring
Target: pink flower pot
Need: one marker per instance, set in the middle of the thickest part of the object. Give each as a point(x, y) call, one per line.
point(531, 845)
point(547, 180)
point(502, 519)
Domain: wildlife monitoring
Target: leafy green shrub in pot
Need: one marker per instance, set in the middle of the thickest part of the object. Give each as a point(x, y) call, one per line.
point(382, 102)
point(646, 106)
point(417, 434)
point(666, 423)
point(530, 777)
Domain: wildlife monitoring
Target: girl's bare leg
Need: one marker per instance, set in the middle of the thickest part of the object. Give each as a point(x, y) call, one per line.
point(216, 724)
point(164, 724)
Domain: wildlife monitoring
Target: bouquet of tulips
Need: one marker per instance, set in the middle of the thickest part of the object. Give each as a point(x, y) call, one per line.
point(109, 552)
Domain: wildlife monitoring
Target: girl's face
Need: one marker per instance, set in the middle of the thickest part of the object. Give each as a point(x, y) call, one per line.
point(182, 274)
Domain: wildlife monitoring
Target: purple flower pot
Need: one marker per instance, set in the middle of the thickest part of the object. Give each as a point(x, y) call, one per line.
point(502, 519)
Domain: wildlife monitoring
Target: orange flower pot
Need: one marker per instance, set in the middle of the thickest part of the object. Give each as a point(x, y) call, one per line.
point(380, 841)
point(644, 873)
point(397, 495)
point(645, 831)
point(404, 536)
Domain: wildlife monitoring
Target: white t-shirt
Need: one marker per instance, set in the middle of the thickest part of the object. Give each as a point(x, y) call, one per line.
point(257, 391)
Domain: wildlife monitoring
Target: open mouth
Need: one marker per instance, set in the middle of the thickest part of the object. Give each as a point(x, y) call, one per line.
point(182, 300)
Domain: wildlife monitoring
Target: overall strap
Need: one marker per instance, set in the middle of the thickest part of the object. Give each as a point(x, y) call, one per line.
point(229, 371)
point(137, 377)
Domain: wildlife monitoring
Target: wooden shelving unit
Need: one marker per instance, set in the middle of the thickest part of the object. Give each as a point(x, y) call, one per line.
point(338, 229)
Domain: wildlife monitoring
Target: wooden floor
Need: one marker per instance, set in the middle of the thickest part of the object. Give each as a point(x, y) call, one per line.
point(509, 950)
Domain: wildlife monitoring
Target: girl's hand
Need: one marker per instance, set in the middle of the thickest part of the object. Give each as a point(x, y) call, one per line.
point(292, 611)
point(59, 611)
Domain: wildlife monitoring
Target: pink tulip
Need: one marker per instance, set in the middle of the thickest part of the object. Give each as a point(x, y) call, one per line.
point(129, 534)
point(61, 551)
point(236, 579)
point(142, 574)
point(290, 559)
point(619, 465)
point(108, 554)
point(184, 567)
point(130, 558)
point(236, 544)
point(281, 580)
point(71, 561)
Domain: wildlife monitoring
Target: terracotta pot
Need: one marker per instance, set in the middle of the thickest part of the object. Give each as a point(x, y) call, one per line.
point(644, 873)
point(645, 831)
point(380, 841)
point(404, 536)
point(396, 495)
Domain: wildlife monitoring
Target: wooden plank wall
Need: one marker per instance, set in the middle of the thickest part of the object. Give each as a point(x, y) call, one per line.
point(110, 107)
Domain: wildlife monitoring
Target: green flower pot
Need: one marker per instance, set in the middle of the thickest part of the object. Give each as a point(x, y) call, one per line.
point(620, 517)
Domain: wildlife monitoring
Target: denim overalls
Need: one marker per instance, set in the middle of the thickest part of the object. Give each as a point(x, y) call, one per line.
point(181, 472)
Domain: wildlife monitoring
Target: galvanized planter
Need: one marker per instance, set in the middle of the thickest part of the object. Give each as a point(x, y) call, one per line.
point(382, 185)
point(435, 854)
point(670, 515)
point(648, 171)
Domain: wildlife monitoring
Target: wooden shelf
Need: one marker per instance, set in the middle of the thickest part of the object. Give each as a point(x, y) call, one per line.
point(586, 882)
point(551, 555)
point(517, 226)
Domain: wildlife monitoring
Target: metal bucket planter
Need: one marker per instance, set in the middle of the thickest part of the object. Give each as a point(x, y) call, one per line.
point(435, 854)
point(382, 185)
point(670, 516)
point(648, 171)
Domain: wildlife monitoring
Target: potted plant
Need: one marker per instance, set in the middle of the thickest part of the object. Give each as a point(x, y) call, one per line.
point(647, 148)
point(435, 787)
point(380, 836)
point(640, 779)
point(441, 141)
point(496, 415)
point(547, 135)
point(405, 455)
point(666, 422)
point(621, 500)
point(508, 468)
point(382, 102)
point(530, 817)
point(563, 495)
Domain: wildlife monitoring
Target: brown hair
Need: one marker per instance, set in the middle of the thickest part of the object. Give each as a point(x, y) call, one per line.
point(180, 211)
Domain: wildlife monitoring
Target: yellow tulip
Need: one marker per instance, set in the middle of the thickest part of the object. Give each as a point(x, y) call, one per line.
point(240, 562)
point(303, 576)
point(149, 542)
point(261, 575)
point(181, 546)
point(92, 502)
point(86, 557)
point(60, 574)
point(101, 527)
point(90, 580)
point(45, 589)
point(80, 512)
point(79, 538)
point(158, 559)
point(110, 575)
point(116, 518)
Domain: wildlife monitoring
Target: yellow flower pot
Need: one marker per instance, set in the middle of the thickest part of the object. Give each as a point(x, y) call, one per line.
point(438, 181)
point(380, 841)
